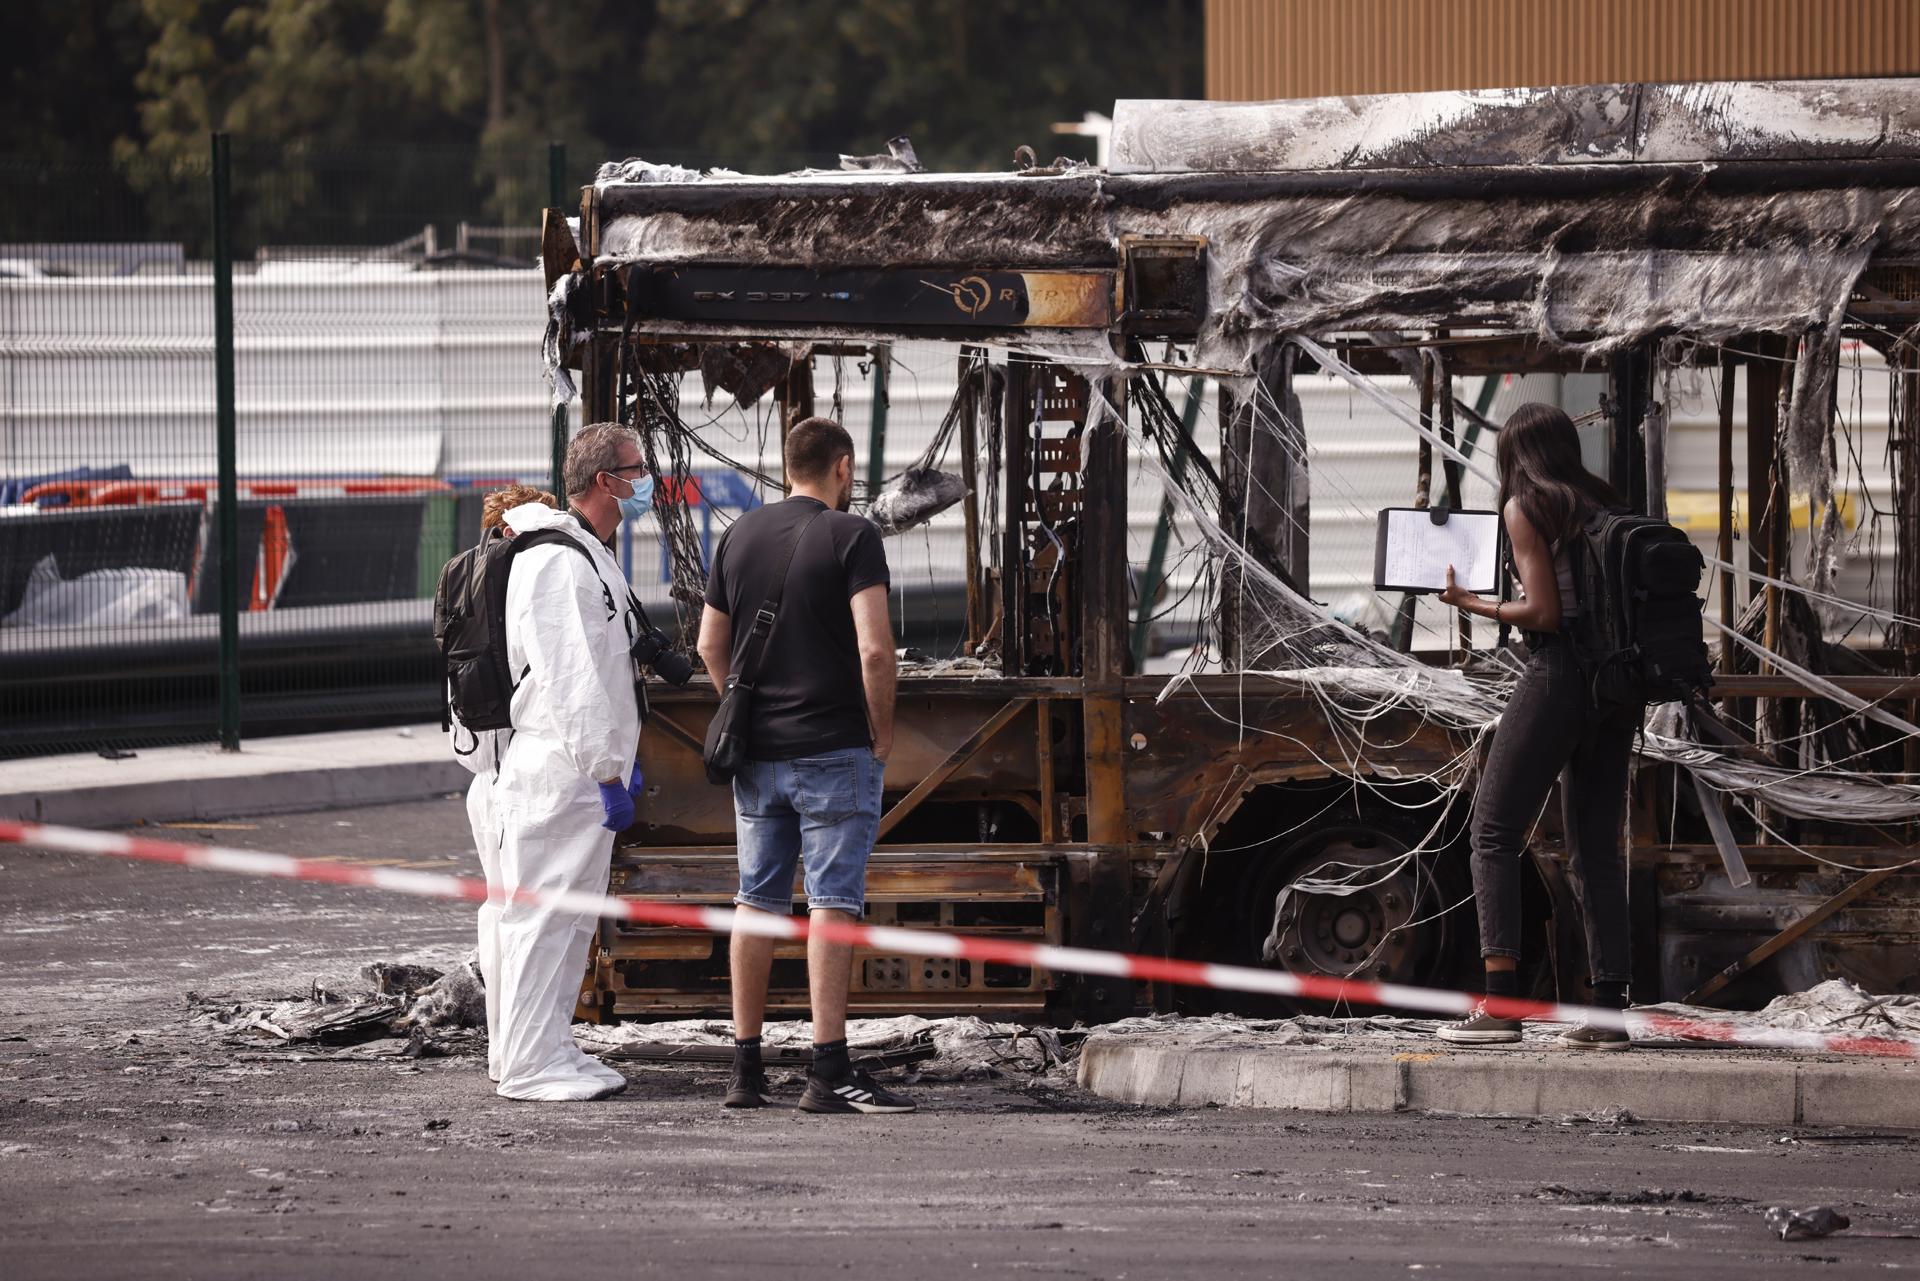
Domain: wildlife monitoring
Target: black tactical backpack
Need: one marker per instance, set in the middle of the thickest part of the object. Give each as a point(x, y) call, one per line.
point(1637, 579)
point(470, 626)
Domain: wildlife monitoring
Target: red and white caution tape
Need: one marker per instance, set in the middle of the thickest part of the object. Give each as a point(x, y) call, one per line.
point(888, 939)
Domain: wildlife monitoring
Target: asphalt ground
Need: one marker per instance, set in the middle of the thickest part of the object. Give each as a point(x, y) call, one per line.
point(134, 1143)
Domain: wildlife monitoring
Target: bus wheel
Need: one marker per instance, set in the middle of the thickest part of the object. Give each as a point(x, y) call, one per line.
point(1348, 902)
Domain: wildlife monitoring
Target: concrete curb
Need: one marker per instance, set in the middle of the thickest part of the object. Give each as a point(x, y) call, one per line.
point(1413, 1076)
point(268, 776)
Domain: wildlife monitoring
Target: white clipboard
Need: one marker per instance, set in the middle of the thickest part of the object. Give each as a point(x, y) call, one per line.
point(1412, 547)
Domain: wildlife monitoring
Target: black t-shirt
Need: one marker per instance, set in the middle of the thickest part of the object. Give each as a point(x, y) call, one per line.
point(809, 698)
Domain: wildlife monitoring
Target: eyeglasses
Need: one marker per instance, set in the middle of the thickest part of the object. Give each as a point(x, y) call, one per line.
point(640, 468)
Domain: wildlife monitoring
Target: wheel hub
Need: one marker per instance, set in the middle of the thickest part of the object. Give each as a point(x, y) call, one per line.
point(1360, 931)
point(1351, 928)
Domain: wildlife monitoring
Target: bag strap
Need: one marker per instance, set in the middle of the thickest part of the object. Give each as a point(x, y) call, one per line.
point(755, 651)
point(545, 538)
point(526, 542)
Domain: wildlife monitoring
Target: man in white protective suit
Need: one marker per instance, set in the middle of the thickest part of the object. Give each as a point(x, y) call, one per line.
point(562, 790)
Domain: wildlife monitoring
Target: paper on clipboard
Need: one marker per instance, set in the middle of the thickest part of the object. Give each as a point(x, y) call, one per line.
point(1412, 549)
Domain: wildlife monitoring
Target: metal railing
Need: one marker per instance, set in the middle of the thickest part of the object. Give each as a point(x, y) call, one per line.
point(250, 408)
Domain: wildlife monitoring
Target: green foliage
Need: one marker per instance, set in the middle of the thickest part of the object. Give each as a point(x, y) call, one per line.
point(68, 88)
point(445, 106)
point(967, 80)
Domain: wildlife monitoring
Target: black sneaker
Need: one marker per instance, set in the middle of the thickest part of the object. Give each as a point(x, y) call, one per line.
point(1480, 1028)
point(749, 1088)
point(857, 1091)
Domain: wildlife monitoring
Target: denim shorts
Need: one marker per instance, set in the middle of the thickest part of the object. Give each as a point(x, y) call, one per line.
point(820, 812)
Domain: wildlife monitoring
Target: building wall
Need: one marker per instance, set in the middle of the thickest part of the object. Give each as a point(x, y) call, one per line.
point(1268, 49)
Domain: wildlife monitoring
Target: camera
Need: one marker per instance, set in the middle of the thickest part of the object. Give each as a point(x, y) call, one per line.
point(651, 650)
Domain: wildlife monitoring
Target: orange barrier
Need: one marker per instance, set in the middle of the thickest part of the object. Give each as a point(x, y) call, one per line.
point(130, 493)
point(272, 561)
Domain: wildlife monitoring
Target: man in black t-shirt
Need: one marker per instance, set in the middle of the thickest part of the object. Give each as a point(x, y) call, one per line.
point(819, 733)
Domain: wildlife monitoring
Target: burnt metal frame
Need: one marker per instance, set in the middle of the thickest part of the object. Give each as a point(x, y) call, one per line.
point(955, 759)
point(1152, 780)
point(1085, 795)
point(1860, 888)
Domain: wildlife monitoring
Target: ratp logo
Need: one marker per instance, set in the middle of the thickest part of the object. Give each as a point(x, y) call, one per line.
point(970, 294)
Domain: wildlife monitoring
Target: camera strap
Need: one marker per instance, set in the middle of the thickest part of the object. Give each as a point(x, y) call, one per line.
point(642, 700)
point(640, 611)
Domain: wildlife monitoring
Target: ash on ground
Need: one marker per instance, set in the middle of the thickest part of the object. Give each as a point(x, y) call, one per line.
point(405, 1011)
point(419, 1011)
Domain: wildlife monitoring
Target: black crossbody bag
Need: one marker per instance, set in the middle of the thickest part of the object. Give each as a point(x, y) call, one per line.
point(727, 733)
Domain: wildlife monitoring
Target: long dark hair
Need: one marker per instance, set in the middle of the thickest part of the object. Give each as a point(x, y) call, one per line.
point(1539, 463)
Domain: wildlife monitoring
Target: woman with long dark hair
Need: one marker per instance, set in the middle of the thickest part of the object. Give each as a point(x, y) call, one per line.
point(1550, 729)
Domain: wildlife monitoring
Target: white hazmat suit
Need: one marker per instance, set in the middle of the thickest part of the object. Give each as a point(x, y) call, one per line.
point(576, 720)
point(480, 752)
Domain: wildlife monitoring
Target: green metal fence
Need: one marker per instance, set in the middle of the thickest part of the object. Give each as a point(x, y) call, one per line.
point(252, 405)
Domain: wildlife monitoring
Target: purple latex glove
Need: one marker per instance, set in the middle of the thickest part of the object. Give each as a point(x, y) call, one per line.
point(618, 806)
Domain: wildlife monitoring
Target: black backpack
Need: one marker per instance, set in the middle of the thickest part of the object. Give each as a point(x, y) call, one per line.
point(1637, 579)
point(470, 626)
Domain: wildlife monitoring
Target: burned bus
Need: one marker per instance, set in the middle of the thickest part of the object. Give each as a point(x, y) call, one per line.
point(1152, 360)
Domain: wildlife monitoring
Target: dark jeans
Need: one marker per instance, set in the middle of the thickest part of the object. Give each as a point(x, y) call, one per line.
point(1550, 730)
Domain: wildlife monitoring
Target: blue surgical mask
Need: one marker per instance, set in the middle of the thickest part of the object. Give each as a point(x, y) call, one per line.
point(640, 501)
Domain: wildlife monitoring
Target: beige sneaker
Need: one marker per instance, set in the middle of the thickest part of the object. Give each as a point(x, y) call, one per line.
point(1586, 1037)
point(1480, 1028)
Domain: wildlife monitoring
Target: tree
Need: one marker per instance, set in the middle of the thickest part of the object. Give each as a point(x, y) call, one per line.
point(743, 82)
point(66, 97)
point(68, 93)
point(756, 85)
point(518, 75)
point(298, 83)
point(356, 120)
